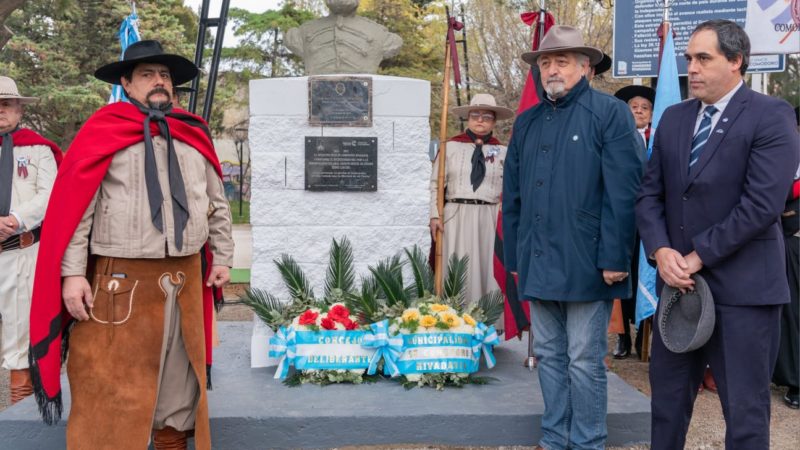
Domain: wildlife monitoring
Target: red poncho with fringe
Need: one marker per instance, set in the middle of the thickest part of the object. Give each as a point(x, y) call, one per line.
point(113, 128)
point(24, 137)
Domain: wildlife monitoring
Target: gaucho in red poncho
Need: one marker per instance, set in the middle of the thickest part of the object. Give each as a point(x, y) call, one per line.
point(136, 206)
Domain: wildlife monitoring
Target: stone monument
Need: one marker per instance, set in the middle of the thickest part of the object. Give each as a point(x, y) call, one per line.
point(340, 153)
point(342, 42)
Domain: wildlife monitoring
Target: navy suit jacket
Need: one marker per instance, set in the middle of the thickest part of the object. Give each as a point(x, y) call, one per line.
point(728, 209)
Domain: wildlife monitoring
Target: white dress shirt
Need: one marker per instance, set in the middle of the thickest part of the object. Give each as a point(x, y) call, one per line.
point(720, 105)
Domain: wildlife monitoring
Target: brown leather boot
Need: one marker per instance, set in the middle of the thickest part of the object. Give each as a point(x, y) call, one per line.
point(21, 384)
point(169, 439)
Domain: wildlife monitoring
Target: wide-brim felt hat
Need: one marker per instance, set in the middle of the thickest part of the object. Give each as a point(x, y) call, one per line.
point(686, 321)
point(603, 65)
point(8, 89)
point(484, 102)
point(180, 68)
point(561, 39)
point(628, 92)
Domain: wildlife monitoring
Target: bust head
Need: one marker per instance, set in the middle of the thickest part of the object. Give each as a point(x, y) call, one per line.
point(342, 7)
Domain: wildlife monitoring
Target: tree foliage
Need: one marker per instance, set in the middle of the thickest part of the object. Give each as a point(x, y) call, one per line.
point(58, 44)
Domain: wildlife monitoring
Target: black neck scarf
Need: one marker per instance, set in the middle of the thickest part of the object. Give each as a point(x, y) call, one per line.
point(180, 206)
point(478, 164)
point(6, 172)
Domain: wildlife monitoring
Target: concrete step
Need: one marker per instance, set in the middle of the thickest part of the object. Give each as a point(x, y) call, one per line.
point(251, 410)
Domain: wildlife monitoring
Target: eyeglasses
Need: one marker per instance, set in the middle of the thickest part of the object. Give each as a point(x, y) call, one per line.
point(487, 117)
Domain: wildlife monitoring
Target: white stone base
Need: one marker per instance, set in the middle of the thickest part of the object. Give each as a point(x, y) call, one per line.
point(285, 218)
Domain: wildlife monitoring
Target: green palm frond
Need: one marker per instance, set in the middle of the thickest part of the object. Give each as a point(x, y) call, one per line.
point(455, 282)
point(491, 306)
point(268, 308)
point(388, 274)
point(295, 279)
point(341, 274)
point(423, 275)
point(365, 305)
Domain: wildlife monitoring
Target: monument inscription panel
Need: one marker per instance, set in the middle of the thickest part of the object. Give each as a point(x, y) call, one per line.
point(341, 164)
point(340, 101)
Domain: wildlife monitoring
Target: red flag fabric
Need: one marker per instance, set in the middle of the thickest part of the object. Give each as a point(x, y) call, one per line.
point(529, 97)
point(452, 26)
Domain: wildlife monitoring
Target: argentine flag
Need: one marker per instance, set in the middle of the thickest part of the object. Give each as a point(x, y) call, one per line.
point(668, 93)
point(128, 34)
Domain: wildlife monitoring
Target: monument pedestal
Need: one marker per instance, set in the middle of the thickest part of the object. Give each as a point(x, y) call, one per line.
point(287, 218)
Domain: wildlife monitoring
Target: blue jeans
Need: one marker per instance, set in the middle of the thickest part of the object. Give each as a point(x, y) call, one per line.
point(570, 342)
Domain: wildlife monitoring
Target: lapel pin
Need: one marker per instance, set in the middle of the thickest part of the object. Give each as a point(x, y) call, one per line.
point(720, 131)
point(724, 119)
point(575, 137)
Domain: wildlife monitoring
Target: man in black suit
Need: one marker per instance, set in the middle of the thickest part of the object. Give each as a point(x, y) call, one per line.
point(710, 203)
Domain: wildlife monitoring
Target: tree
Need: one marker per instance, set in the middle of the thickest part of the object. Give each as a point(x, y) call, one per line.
point(261, 51)
point(6, 8)
point(58, 44)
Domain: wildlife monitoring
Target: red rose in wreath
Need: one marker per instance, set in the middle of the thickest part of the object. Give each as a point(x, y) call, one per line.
point(349, 324)
point(308, 318)
point(339, 313)
point(328, 324)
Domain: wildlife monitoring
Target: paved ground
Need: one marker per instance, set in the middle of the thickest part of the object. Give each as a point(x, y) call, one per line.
point(706, 431)
point(243, 248)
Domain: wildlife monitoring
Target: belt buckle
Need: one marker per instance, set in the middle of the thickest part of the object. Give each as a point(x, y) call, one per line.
point(26, 239)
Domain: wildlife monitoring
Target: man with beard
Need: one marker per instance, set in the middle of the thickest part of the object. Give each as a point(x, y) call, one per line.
point(27, 170)
point(139, 206)
point(570, 180)
point(342, 42)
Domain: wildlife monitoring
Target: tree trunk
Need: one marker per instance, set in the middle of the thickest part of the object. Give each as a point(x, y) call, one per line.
point(6, 8)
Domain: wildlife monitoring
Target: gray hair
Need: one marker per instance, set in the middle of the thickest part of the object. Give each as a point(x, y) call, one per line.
point(732, 41)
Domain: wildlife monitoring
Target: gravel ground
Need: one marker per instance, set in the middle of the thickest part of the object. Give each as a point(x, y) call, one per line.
point(706, 431)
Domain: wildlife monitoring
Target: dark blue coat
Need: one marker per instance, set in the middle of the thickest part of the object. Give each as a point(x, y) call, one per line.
point(571, 176)
point(728, 209)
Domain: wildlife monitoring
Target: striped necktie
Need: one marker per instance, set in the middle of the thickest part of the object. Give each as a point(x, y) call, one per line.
point(701, 137)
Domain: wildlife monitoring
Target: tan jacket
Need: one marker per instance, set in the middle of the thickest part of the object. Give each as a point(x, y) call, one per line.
point(117, 222)
point(458, 170)
point(29, 195)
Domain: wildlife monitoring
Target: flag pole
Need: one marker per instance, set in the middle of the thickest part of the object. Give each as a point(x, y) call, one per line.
point(442, 157)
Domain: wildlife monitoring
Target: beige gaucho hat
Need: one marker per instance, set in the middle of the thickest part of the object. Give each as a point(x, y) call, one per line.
point(563, 38)
point(8, 89)
point(485, 102)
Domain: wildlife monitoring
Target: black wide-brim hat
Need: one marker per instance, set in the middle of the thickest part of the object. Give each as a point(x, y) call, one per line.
point(628, 92)
point(603, 65)
point(686, 321)
point(180, 68)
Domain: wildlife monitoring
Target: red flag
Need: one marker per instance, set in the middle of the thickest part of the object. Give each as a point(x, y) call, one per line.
point(529, 97)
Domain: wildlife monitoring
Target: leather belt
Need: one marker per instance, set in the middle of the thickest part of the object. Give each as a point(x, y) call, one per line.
point(469, 201)
point(22, 240)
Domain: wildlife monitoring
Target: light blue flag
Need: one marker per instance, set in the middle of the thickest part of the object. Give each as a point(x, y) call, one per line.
point(668, 93)
point(128, 34)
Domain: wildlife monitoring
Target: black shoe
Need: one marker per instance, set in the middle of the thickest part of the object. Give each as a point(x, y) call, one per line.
point(623, 349)
point(792, 398)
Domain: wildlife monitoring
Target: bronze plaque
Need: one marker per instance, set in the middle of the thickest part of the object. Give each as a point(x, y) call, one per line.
point(342, 164)
point(340, 101)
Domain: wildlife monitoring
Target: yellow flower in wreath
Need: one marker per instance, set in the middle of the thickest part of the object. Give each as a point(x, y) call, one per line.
point(469, 320)
point(438, 307)
point(427, 321)
point(410, 315)
point(451, 320)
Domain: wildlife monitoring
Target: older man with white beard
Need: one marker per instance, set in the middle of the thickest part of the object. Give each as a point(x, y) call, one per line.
point(571, 177)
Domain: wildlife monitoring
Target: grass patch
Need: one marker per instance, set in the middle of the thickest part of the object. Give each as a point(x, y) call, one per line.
point(245, 215)
point(240, 276)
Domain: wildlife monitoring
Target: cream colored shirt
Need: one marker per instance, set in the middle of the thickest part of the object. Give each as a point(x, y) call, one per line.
point(117, 222)
point(30, 194)
point(459, 168)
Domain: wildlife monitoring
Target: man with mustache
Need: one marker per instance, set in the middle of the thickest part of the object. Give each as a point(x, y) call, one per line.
point(27, 170)
point(143, 235)
point(711, 200)
point(570, 181)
